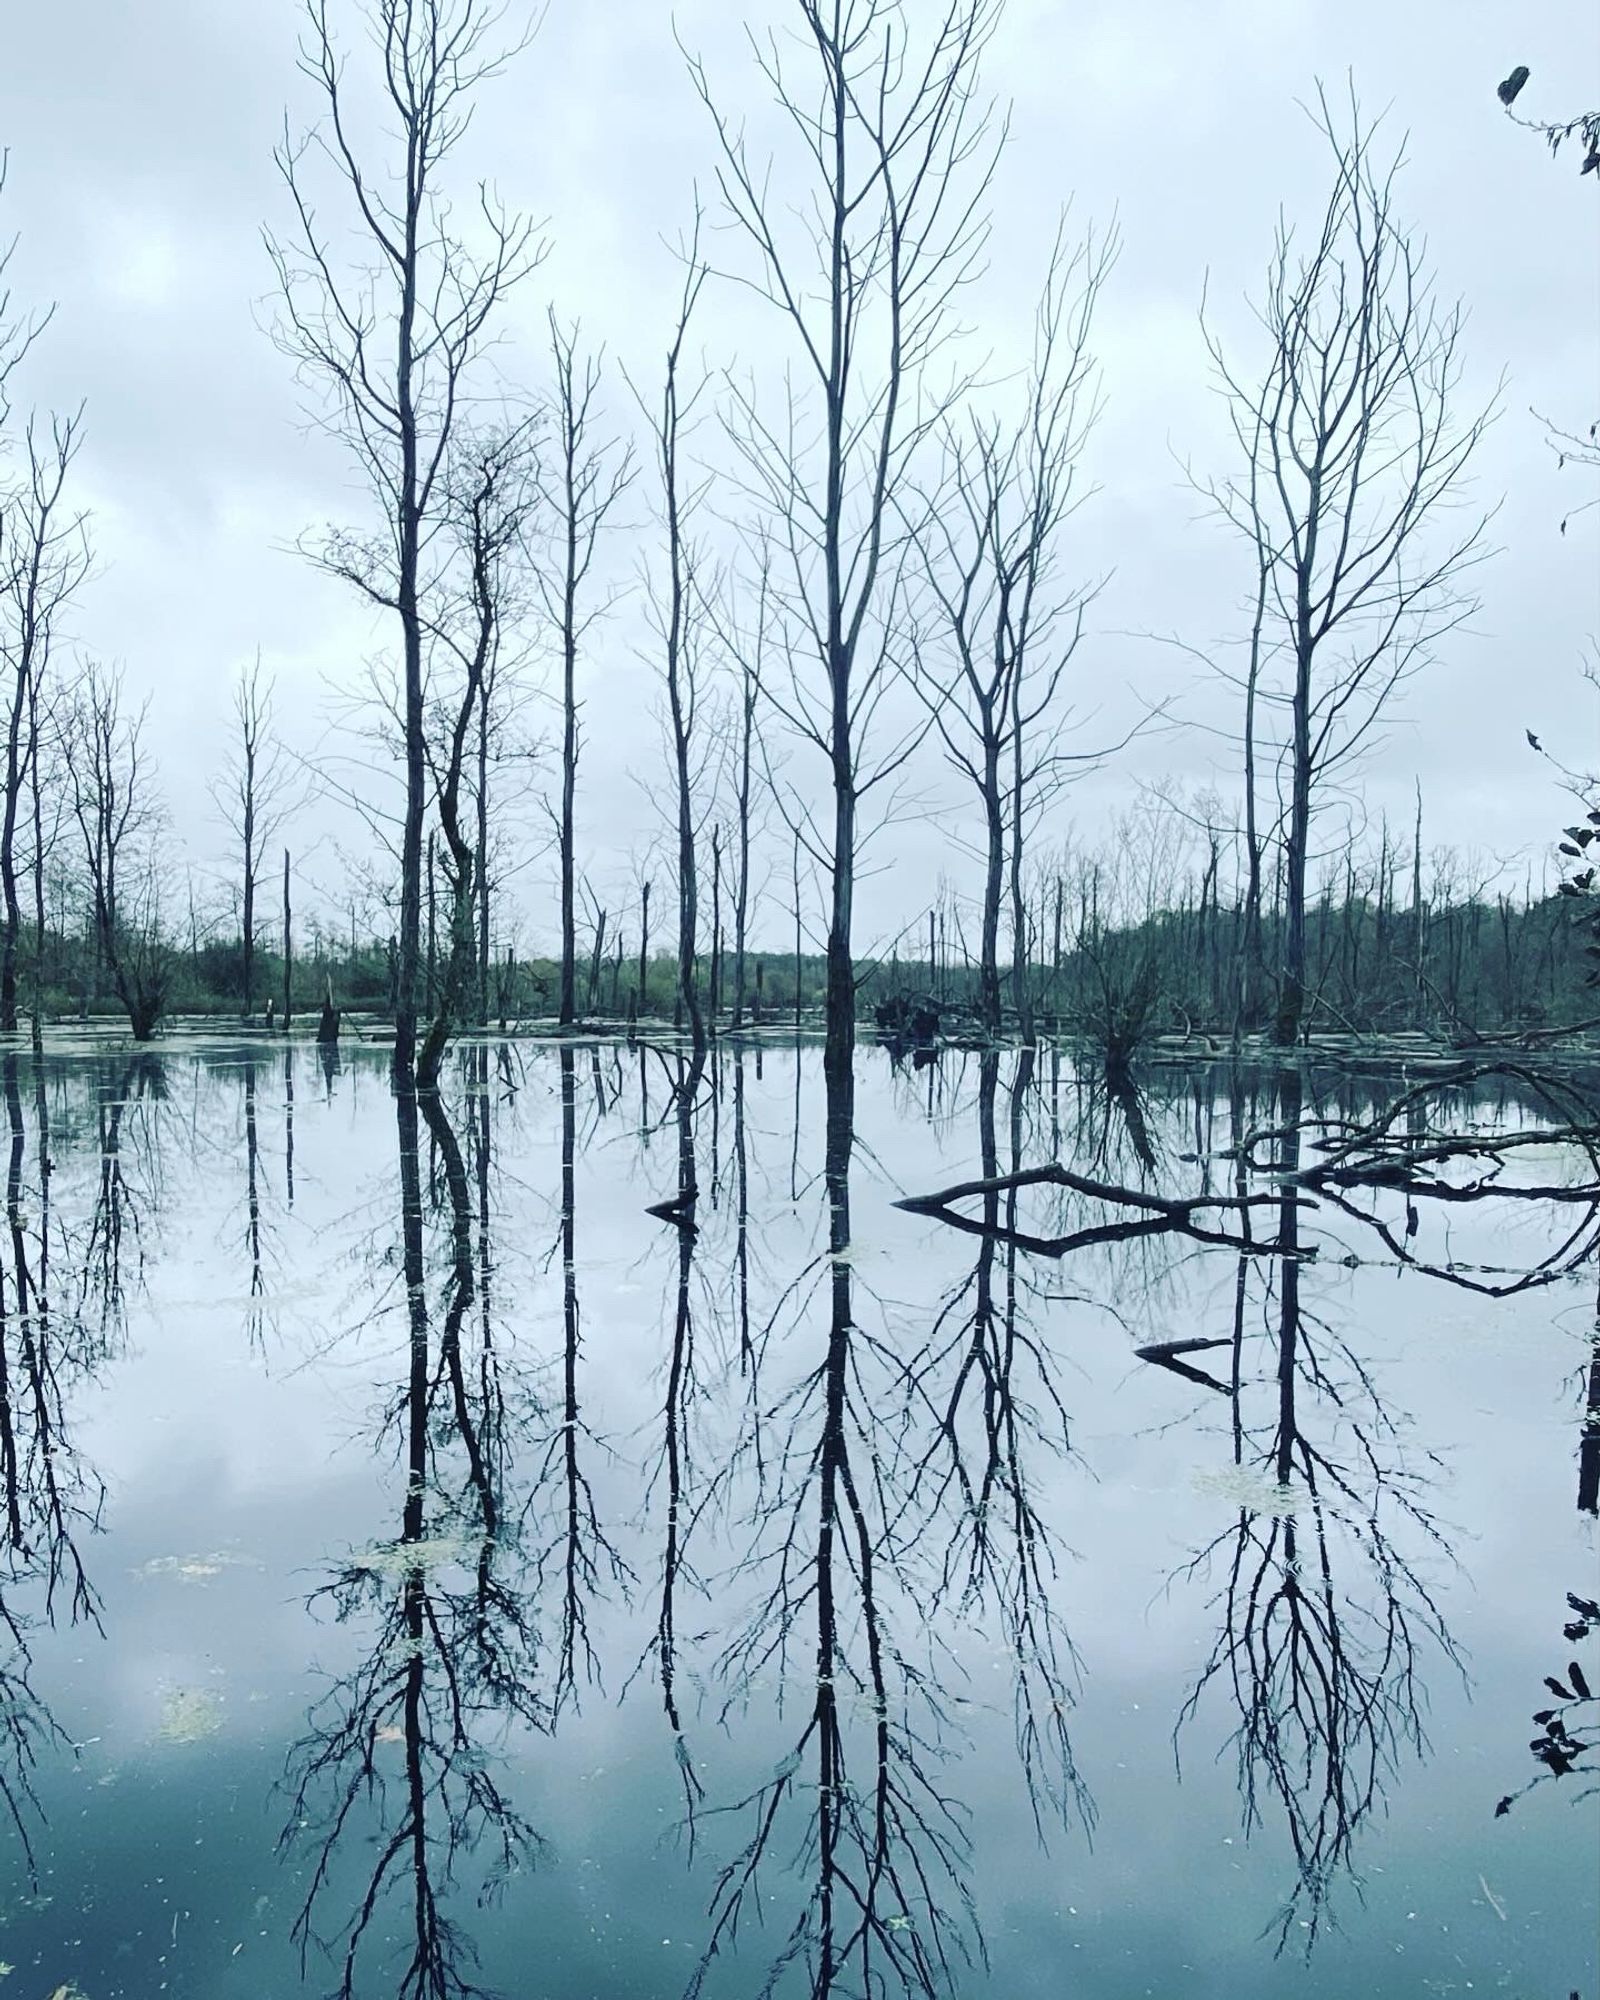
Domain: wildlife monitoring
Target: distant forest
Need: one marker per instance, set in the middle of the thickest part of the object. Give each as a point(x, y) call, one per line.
point(1459, 971)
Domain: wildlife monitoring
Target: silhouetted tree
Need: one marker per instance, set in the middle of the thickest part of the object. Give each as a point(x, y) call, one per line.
point(1353, 452)
point(389, 344)
point(44, 558)
point(121, 824)
point(863, 271)
point(253, 797)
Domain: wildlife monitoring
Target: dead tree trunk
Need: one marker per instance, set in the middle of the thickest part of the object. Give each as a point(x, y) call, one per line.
point(590, 477)
point(44, 557)
point(421, 296)
point(1353, 453)
point(864, 269)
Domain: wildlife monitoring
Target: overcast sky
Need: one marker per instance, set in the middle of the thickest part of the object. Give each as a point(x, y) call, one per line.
point(140, 142)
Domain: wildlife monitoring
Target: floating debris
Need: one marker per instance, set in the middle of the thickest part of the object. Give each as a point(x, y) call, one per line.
point(196, 1568)
point(190, 1715)
point(1251, 1491)
point(419, 1558)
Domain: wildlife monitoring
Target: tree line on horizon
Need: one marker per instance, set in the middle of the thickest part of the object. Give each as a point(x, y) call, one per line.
point(861, 564)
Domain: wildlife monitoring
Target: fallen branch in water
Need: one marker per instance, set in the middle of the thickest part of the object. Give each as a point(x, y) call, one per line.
point(1171, 1209)
point(1112, 1232)
point(1161, 1213)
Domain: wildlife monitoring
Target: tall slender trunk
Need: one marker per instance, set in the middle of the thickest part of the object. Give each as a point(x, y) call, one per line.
point(716, 923)
point(799, 941)
point(1021, 990)
point(644, 943)
point(247, 938)
point(1055, 952)
point(741, 907)
point(37, 792)
point(568, 1004)
point(431, 980)
point(1251, 956)
point(483, 854)
point(688, 883)
point(1419, 922)
point(1292, 982)
point(288, 949)
point(19, 752)
point(989, 1002)
point(408, 523)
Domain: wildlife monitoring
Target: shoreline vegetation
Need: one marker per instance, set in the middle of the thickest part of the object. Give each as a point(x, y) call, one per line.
point(1457, 977)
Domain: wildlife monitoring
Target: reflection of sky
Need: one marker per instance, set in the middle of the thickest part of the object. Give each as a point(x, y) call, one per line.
point(271, 1455)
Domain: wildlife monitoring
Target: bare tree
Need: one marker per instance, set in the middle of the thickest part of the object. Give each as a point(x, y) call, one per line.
point(45, 733)
point(589, 477)
point(863, 269)
point(451, 1661)
point(390, 344)
point(677, 614)
point(989, 540)
point(747, 656)
point(492, 500)
point(252, 794)
point(503, 744)
point(120, 822)
point(18, 330)
point(1352, 451)
point(44, 558)
point(1326, 1617)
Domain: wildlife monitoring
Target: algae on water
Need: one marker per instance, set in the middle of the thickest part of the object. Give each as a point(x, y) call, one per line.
point(1243, 1488)
point(419, 1558)
point(190, 1715)
point(196, 1568)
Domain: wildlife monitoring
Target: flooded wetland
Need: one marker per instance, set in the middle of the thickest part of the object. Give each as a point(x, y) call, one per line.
point(582, 1533)
point(799, 1074)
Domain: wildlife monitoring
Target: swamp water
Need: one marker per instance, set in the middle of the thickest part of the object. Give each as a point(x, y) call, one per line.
point(428, 1570)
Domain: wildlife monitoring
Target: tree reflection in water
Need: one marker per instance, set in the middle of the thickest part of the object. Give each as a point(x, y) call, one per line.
point(888, 1489)
point(50, 1342)
point(577, 1550)
point(116, 1212)
point(1326, 1622)
point(408, 1739)
point(850, 1499)
point(1328, 1615)
point(990, 1404)
point(677, 1469)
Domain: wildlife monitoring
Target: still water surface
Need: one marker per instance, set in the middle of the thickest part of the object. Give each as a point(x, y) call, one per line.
point(431, 1571)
